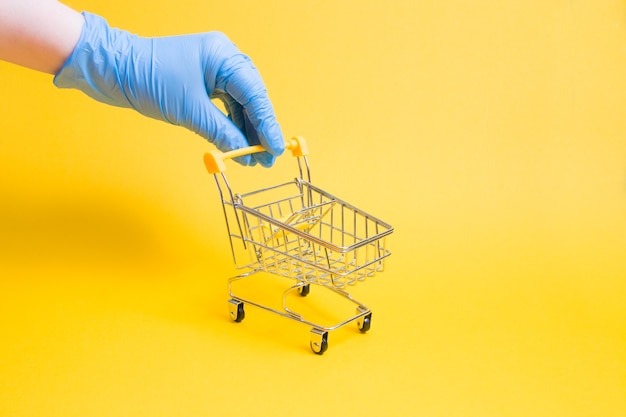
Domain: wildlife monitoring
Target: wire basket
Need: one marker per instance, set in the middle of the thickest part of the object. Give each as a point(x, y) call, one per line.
point(312, 236)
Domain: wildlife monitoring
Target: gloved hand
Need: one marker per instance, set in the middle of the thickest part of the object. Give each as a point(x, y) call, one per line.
point(173, 79)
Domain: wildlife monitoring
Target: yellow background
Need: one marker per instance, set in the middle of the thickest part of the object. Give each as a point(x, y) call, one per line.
point(490, 134)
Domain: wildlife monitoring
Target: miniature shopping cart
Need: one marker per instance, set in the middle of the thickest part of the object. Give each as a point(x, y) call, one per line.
point(298, 231)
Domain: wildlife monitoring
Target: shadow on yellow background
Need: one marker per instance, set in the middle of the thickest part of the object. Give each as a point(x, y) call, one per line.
point(489, 134)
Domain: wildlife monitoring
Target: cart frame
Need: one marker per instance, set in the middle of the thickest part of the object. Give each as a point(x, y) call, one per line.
point(299, 231)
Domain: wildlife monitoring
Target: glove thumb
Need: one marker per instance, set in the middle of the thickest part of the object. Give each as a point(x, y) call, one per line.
point(208, 121)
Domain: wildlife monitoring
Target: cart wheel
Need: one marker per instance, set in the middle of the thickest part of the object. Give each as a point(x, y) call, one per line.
point(304, 290)
point(236, 310)
point(319, 341)
point(365, 323)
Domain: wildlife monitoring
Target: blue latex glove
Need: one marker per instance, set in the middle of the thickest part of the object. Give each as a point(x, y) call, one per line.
point(173, 79)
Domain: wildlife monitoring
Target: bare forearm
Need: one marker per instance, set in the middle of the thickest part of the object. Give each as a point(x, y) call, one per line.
point(38, 34)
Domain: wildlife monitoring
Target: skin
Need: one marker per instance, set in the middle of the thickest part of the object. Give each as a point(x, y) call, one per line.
point(38, 34)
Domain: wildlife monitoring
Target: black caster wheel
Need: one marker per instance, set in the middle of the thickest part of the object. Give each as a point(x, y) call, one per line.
point(236, 310)
point(319, 341)
point(365, 323)
point(304, 290)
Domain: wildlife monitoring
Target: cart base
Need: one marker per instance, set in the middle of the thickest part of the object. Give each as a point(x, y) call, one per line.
point(319, 332)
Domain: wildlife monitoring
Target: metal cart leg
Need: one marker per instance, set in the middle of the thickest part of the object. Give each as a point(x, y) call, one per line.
point(319, 332)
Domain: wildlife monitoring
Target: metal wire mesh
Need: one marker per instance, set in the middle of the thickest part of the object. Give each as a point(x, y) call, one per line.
point(299, 231)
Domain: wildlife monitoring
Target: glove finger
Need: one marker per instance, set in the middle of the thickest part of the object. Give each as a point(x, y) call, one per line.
point(237, 115)
point(266, 159)
point(243, 82)
point(234, 110)
point(209, 122)
point(260, 113)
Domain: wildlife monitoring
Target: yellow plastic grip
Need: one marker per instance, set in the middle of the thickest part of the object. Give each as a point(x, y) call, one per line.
point(214, 159)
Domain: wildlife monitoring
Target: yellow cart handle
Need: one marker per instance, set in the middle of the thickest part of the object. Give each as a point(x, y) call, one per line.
point(214, 159)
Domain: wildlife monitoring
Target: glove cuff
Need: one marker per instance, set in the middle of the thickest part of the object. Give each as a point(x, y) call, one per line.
point(92, 67)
